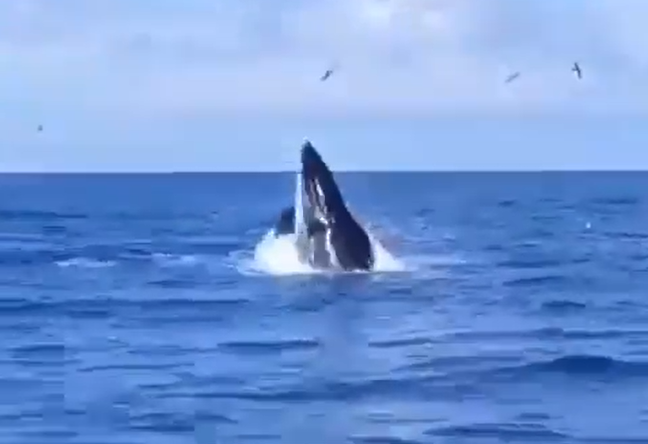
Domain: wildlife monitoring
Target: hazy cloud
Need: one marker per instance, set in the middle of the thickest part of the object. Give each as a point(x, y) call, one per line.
point(396, 57)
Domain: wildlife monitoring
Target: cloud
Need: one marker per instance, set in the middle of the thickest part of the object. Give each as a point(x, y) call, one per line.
point(172, 59)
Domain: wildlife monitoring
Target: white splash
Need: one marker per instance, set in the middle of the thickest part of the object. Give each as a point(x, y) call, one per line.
point(84, 262)
point(279, 256)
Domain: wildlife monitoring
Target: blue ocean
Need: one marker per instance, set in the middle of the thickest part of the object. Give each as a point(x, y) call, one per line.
point(155, 308)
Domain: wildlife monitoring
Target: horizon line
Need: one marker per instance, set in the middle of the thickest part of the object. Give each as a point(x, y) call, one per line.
point(343, 171)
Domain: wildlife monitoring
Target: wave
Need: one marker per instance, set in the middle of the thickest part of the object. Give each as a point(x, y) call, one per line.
point(579, 367)
point(501, 431)
point(158, 259)
point(478, 373)
point(85, 262)
point(588, 365)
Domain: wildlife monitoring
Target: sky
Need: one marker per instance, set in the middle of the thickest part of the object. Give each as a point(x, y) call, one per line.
point(219, 85)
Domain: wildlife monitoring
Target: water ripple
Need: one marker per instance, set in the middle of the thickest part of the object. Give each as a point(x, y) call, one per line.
point(126, 315)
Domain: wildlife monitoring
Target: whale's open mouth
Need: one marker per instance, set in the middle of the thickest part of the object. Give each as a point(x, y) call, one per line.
point(320, 188)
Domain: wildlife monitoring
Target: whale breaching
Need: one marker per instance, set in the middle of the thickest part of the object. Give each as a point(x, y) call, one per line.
point(326, 233)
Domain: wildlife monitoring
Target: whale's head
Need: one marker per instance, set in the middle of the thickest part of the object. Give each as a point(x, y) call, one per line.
point(350, 242)
point(319, 185)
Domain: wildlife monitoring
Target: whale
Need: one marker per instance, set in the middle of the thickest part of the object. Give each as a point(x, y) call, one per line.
point(327, 234)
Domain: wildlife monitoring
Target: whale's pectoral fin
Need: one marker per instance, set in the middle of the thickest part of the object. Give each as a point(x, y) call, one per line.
point(286, 222)
point(315, 227)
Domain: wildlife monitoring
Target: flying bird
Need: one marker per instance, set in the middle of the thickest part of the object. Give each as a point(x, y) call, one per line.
point(326, 75)
point(512, 77)
point(577, 70)
point(40, 128)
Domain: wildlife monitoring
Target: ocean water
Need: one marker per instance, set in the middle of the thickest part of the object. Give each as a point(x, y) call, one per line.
point(153, 309)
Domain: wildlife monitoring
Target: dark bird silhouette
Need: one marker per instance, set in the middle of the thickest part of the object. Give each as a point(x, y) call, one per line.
point(577, 70)
point(512, 77)
point(326, 75)
point(40, 128)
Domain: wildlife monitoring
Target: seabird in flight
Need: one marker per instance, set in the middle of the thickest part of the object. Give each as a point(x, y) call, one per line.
point(512, 77)
point(326, 75)
point(577, 70)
